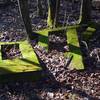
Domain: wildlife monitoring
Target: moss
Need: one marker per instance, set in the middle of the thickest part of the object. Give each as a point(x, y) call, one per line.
point(29, 62)
point(88, 33)
point(72, 39)
point(50, 21)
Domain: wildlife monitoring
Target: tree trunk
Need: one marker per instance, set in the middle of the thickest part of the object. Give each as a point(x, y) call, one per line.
point(39, 8)
point(24, 11)
point(57, 13)
point(86, 11)
point(53, 9)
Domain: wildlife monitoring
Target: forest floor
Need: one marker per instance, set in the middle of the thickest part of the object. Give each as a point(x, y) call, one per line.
point(60, 83)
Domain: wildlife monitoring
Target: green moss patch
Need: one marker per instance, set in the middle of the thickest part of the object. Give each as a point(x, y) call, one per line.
point(27, 63)
point(72, 39)
point(88, 33)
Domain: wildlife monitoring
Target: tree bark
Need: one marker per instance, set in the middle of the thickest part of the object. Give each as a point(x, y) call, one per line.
point(57, 13)
point(53, 9)
point(39, 8)
point(24, 11)
point(86, 11)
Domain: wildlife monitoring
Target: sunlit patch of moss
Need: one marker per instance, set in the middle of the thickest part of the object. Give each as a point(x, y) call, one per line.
point(88, 33)
point(72, 39)
point(27, 63)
